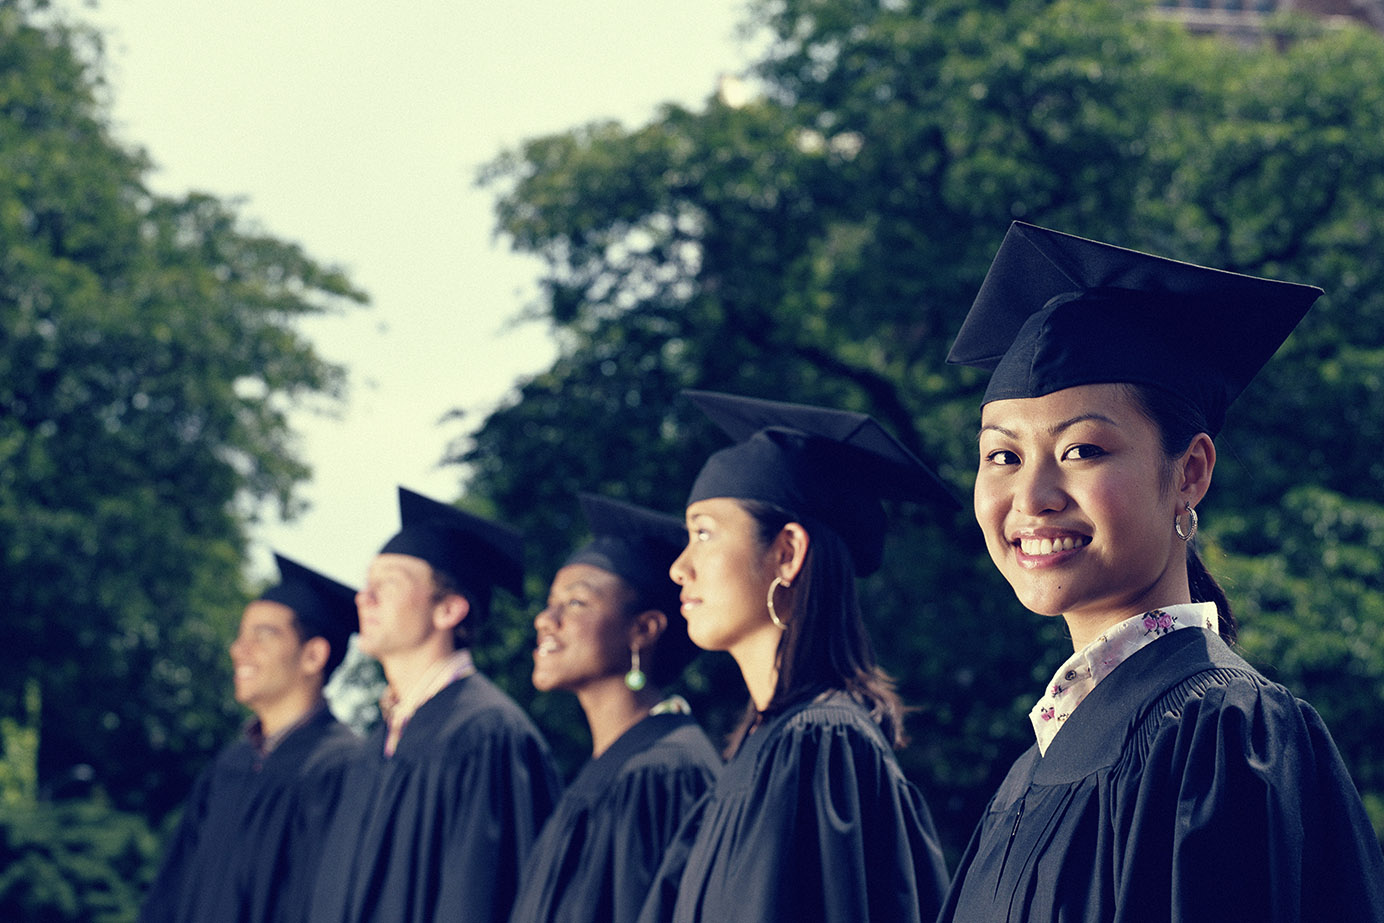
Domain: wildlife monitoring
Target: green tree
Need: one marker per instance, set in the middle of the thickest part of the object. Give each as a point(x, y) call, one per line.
point(823, 242)
point(77, 861)
point(148, 356)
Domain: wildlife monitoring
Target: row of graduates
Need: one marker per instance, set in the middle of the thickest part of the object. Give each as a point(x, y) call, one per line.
point(1169, 780)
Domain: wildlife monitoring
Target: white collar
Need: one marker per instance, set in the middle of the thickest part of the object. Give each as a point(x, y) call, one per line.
point(1075, 679)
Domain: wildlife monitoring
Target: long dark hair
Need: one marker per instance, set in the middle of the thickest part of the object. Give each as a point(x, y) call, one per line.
point(1179, 422)
point(825, 646)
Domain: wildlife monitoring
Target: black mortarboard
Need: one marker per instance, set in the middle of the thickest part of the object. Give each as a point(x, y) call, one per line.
point(633, 543)
point(639, 545)
point(828, 466)
point(324, 608)
point(1056, 311)
point(475, 553)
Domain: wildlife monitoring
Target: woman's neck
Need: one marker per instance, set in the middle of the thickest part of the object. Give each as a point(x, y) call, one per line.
point(612, 708)
point(757, 657)
point(1168, 589)
point(1086, 628)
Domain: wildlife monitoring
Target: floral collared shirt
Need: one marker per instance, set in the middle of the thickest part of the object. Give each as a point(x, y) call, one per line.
point(673, 705)
point(1075, 679)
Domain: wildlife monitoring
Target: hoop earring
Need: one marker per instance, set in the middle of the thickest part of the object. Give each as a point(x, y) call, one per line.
point(1191, 523)
point(773, 615)
point(635, 678)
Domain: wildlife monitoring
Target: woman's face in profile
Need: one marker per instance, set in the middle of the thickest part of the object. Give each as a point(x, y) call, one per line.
point(724, 573)
point(1073, 497)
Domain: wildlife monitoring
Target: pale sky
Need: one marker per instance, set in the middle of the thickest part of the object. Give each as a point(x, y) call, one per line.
point(355, 129)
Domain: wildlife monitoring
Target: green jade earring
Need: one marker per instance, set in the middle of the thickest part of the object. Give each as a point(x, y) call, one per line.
point(635, 678)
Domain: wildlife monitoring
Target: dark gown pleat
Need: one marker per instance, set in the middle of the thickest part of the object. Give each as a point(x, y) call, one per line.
point(440, 830)
point(812, 820)
point(248, 844)
point(1186, 787)
point(598, 853)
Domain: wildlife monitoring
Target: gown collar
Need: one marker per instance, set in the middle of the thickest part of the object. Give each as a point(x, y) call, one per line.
point(596, 776)
point(398, 708)
point(1075, 679)
point(264, 744)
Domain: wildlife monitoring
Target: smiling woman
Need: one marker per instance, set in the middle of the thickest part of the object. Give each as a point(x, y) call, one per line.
point(1169, 780)
point(1063, 499)
point(611, 634)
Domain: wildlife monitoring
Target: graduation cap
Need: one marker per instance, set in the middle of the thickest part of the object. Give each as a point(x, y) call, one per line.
point(828, 466)
point(633, 543)
point(477, 554)
point(1056, 311)
point(324, 607)
point(639, 545)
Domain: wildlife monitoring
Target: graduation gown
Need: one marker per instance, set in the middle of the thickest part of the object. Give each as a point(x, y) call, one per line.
point(1184, 787)
point(250, 838)
point(440, 830)
point(812, 820)
point(599, 851)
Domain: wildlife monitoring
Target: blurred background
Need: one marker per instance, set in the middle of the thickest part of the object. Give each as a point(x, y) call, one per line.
point(260, 265)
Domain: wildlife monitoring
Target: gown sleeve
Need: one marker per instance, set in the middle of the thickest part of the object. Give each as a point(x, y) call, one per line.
point(824, 828)
point(166, 898)
point(1243, 809)
point(662, 891)
point(439, 831)
point(647, 812)
point(495, 810)
point(863, 833)
point(320, 789)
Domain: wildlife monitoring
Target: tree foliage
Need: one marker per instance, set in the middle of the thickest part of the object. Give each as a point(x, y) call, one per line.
point(822, 243)
point(73, 862)
point(147, 359)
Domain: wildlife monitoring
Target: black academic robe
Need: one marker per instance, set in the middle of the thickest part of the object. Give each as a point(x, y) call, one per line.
point(1186, 787)
point(811, 820)
point(250, 838)
point(441, 829)
point(599, 851)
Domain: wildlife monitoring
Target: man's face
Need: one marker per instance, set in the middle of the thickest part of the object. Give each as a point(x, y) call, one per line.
point(267, 655)
point(396, 605)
